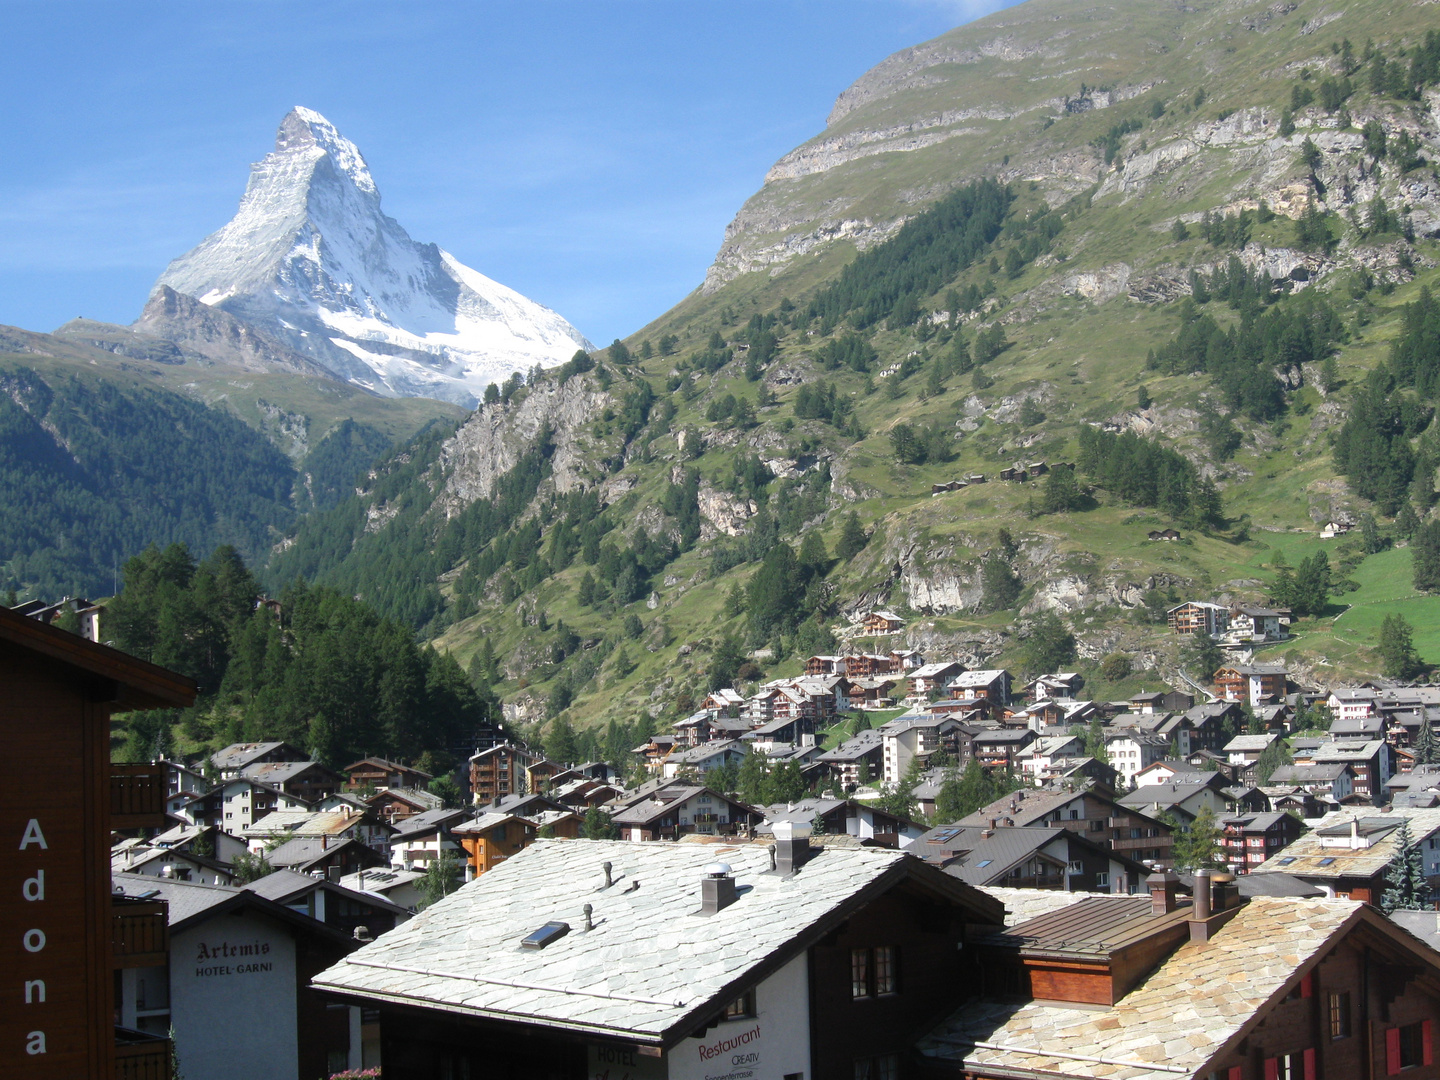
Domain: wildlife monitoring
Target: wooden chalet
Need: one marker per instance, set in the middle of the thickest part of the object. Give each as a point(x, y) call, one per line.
point(68, 937)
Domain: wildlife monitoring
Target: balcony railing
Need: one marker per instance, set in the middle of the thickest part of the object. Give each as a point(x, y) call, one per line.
point(137, 796)
point(139, 932)
point(141, 1056)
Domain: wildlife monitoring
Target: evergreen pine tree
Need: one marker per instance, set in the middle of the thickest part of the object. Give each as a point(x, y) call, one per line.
point(1408, 889)
point(852, 538)
point(1198, 847)
point(1426, 545)
point(1397, 648)
point(1427, 747)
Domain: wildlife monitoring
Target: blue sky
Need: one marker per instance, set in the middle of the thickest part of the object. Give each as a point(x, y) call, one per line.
point(588, 154)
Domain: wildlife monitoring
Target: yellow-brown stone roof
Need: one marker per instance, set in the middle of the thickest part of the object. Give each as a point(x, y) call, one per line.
point(1171, 1025)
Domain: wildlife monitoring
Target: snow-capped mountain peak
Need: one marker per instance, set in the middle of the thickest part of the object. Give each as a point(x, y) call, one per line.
point(311, 258)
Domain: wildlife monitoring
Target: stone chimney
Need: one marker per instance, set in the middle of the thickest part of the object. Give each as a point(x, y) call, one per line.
point(1162, 892)
point(717, 888)
point(792, 846)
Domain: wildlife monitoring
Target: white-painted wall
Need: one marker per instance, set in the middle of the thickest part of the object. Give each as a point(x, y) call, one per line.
point(235, 1015)
point(772, 1045)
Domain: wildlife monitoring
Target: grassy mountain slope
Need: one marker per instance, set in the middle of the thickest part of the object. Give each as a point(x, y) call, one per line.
point(1113, 126)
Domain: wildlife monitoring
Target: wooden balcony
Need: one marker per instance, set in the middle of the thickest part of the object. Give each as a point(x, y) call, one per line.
point(139, 1056)
point(139, 932)
point(137, 796)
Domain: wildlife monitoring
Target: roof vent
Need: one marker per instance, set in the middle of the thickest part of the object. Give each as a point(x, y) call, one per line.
point(551, 931)
point(717, 889)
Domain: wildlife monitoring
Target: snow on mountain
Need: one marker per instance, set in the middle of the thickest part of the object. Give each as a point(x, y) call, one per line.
point(311, 258)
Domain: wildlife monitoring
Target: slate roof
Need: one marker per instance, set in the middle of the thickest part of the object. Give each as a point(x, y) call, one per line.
point(1308, 858)
point(1189, 1011)
point(423, 824)
point(301, 854)
point(706, 751)
point(1251, 743)
point(653, 968)
point(1166, 795)
point(186, 899)
point(238, 755)
point(284, 886)
point(276, 773)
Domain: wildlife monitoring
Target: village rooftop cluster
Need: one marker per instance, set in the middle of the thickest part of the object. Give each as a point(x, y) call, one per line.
point(1158, 886)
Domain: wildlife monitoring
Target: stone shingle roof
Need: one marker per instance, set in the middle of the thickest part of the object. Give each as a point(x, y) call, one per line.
point(1182, 1017)
point(653, 967)
point(1308, 857)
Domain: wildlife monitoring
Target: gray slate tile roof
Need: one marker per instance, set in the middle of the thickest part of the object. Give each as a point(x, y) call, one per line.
point(652, 967)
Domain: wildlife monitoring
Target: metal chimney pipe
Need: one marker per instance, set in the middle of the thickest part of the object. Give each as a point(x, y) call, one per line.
point(1201, 910)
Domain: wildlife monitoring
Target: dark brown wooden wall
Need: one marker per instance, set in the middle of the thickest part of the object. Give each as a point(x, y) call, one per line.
point(935, 977)
point(57, 742)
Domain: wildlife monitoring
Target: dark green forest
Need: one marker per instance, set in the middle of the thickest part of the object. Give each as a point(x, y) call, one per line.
point(90, 474)
point(323, 672)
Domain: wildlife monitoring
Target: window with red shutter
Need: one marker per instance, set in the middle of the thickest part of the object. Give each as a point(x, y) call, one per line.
point(1272, 1069)
point(1307, 985)
point(1392, 1052)
point(1235, 1073)
point(1427, 1056)
point(1310, 1064)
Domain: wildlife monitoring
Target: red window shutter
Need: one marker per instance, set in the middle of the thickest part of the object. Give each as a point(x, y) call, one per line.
point(1427, 1057)
point(1307, 985)
point(1272, 1069)
point(1392, 1051)
point(1235, 1073)
point(1310, 1064)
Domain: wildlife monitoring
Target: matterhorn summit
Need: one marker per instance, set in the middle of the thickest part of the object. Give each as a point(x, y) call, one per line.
point(311, 259)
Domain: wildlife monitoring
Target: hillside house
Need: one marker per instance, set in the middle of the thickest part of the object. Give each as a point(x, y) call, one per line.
point(422, 838)
point(1091, 811)
point(1251, 623)
point(490, 838)
point(680, 810)
point(842, 817)
point(1182, 800)
point(498, 771)
point(993, 684)
point(1348, 854)
point(705, 757)
point(306, 780)
point(1250, 839)
point(394, 805)
point(1373, 763)
point(1335, 780)
point(910, 736)
point(1198, 617)
point(855, 761)
point(1029, 858)
point(932, 678)
point(1060, 687)
point(378, 772)
point(1253, 684)
point(881, 621)
point(1131, 751)
point(1245, 750)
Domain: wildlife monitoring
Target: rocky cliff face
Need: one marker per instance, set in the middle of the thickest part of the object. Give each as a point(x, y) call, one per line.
point(214, 333)
point(312, 260)
point(493, 439)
